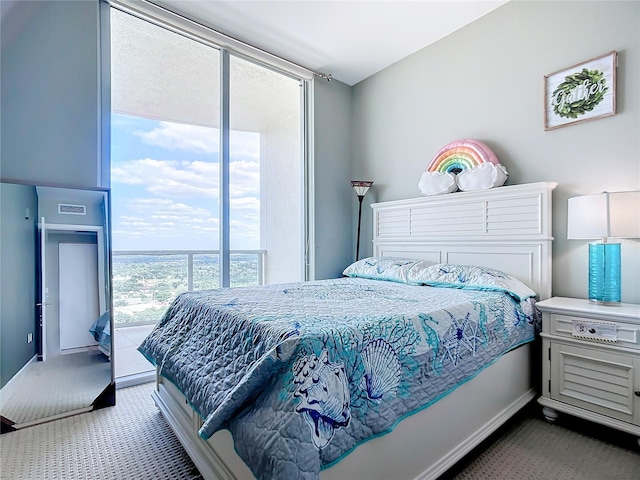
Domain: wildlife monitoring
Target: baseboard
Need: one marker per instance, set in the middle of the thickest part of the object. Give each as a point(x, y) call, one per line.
point(135, 379)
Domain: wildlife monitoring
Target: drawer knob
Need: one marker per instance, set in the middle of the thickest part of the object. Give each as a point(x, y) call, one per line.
point(637, 392)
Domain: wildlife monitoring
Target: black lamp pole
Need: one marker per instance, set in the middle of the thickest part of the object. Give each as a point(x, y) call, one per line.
point(361, 188)
point(360, 197)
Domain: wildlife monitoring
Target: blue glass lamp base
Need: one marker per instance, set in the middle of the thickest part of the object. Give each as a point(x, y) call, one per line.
point(604, 273)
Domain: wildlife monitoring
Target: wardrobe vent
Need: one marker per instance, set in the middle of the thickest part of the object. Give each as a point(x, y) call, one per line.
point(67, 209)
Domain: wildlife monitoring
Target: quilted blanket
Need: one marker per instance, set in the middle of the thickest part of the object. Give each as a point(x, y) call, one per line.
point(303, 373)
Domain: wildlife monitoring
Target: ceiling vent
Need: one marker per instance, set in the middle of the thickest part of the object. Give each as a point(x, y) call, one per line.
point(68, 209)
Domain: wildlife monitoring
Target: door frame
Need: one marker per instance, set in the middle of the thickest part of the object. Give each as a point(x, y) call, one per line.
point(45, 229)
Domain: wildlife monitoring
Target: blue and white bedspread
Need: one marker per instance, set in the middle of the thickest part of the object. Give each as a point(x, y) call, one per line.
point(303, 373)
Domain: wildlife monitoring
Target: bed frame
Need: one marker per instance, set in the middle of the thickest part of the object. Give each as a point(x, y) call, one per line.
point(508, 228)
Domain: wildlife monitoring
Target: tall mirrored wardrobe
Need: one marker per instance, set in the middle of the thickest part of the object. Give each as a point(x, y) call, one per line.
point(56, 355)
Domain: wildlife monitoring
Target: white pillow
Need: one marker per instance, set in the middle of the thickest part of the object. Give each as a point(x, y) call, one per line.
point(393, 269)
point(470, 277)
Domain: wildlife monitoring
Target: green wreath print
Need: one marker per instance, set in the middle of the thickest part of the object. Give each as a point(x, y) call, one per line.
point(579, 93)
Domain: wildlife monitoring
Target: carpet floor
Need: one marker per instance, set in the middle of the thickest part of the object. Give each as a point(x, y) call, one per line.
point(529, 448)
point(132, 441)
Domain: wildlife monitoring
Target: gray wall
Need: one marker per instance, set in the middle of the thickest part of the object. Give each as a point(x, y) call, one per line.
point(333, 196)
point(485, 82)
point(93, 201)
point(17, 277)
point(50, 92)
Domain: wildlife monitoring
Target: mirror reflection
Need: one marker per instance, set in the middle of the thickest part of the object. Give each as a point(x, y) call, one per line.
point(55, 315)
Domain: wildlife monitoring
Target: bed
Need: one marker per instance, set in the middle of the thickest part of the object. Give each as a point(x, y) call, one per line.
point(355, 375)
point(100, 330)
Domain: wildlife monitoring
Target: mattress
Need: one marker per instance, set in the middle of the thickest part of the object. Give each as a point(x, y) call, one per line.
point(303, 373)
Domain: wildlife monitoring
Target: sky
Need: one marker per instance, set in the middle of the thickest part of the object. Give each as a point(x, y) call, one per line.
point(165, 186)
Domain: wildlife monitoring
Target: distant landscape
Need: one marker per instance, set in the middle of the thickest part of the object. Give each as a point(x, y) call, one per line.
point(144, 285)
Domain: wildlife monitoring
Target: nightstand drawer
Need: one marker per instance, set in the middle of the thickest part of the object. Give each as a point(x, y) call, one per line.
point(603, 332)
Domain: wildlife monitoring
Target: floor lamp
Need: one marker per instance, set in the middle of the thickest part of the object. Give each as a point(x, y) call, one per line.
point(361, 189)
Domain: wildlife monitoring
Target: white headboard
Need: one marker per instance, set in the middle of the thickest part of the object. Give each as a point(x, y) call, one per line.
point(508, 228)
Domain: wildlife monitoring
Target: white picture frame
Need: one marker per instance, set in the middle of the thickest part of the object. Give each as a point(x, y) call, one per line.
point(585, 91)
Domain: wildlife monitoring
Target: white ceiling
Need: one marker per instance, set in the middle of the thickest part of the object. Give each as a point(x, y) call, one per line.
point(351, 40)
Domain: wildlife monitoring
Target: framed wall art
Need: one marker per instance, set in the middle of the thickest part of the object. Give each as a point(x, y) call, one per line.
point(582, 92)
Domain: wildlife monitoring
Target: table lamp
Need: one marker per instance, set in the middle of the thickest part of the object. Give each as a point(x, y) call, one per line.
point(603, 216)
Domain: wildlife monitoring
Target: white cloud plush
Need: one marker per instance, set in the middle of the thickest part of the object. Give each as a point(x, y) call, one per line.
point(482, 177)
point(437, 183)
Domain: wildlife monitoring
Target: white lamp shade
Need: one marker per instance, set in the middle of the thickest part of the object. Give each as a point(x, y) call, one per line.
point(615, 214)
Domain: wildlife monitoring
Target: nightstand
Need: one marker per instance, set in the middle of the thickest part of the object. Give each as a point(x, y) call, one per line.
point(591, 362)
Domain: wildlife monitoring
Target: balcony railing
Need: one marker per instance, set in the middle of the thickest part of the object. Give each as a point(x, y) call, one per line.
point(145, 282)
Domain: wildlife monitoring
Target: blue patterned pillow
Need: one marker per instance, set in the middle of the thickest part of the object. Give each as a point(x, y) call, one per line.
point(470, 277)
point(394, 269)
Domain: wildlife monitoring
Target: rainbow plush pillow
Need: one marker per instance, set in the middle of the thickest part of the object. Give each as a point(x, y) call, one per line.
point(462, 165)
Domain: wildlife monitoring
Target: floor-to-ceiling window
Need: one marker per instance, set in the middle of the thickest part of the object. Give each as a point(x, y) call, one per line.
point(170, 205)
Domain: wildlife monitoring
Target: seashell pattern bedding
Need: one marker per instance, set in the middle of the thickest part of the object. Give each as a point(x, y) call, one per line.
point(303, 373)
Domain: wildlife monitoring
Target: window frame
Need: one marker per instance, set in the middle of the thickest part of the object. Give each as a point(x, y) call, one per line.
point(227, 46)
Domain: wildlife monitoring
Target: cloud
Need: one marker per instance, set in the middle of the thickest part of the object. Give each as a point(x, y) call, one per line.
point(170, 204)
point(164, 203)
point(163, 208)
point(197, 139)
point(244, 179)
point(180, 136)
point(187, 179)
point(159, 219)
point(170, 178)
point(245, 206)
point(244, 235)
point(192, 178)
point(162, 220)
